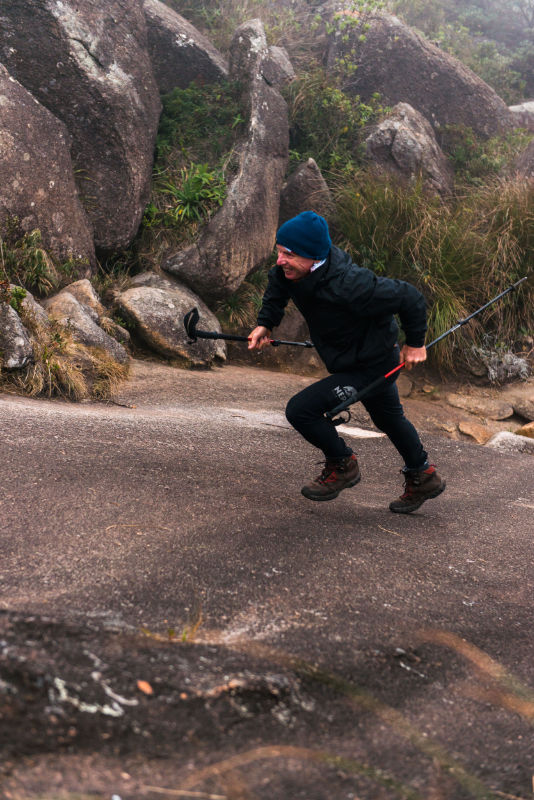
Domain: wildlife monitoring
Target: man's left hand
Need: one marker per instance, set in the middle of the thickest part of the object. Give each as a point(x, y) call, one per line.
point(412, 356)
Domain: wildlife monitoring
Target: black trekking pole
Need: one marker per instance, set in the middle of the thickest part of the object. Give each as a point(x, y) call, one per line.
point(357, 396)
point(190, 325)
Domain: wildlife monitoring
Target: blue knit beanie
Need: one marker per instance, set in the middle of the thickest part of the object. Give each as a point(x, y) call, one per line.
point(306, 235)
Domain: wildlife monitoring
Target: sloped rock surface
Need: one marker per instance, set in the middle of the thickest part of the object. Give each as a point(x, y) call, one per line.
point(241, 235)
point(93, 72)
point(305, 190)
point(179, 53)
point(395, 61)
point(82, 321)
point(32, 309)
point(157, 306)
point(277, 68)
point(404, 145)
point(15, 344)
point(524, 164)
point(37, 183)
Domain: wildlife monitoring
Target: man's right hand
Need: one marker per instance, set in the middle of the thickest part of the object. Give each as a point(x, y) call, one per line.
point(259, 338)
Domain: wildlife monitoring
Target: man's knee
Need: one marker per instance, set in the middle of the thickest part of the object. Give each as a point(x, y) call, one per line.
point(294, 410)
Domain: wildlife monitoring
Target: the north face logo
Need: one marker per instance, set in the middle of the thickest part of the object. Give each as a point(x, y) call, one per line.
point(344, 392)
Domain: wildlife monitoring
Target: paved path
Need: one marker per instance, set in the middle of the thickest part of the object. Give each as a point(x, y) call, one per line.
point(185, 509)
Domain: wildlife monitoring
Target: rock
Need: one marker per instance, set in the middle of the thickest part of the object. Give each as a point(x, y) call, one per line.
point(82, 321)
point(526, 430)
point(305, 190)
point(114, 329)
point(524, 407)
point(157, 306)
point(404, 145)
point(31, 312)
point(523, 115)
point(85, 294)
point(37, 183)
point(481, 406)
point(511, 443)
point(179, 53)
point(240, 236)
point(276, 67)
point(15, 343)
point(402, 66)
point(93, 72)
point(404, 385)
point(480, 433)
point(524, 163)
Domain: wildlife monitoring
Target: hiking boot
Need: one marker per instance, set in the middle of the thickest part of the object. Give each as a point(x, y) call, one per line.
point(418, 487)
point(338, 474)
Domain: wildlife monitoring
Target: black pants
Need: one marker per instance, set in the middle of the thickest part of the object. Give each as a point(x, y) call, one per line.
point(305, 411)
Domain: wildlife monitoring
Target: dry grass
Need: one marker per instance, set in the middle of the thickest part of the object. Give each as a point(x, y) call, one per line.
point(63, 367)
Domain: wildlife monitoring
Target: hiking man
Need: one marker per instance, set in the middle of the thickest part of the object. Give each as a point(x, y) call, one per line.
point(350, 314)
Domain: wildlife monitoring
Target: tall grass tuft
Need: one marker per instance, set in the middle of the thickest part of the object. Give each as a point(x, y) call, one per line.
point(459, 254)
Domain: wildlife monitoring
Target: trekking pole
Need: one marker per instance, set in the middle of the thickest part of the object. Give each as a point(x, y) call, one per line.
point(357, 396)
point(190, 325)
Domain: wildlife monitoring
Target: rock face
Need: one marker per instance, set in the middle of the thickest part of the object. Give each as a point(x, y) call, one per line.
point(305, 190)
point(401, 66)
point(93, 72)
point(157, 306)
point(241, 235)
point(523, 115)
point(37, 183)
point(179, 53)
point(524, 164)
point(405, 145)
point(15, 344)
point(82, 321)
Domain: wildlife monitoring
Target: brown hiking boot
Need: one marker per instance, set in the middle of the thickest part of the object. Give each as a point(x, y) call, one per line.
point(418, 487)
point(338, 474)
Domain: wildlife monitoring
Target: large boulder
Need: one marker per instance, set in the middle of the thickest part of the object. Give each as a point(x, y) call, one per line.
point(37, 185)
point(524, 163)
point(87, 61)
point(15, 344)
point(392, 59)
point(523, 115)
point(157, 306)
point(404, 145)
point(179, 53)
point(241, 235)
point(305, 190)
point(82, 321)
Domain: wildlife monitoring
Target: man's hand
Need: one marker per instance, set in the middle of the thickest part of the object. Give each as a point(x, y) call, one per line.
point(412, 356)
point(259, 338)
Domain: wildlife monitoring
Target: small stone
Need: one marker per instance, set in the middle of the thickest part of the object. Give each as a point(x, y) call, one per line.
point(526, 430)
point(511, 443)
point(524, 408)
point(480, 433)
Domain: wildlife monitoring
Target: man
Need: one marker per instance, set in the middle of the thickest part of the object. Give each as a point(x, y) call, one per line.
point(350, 313)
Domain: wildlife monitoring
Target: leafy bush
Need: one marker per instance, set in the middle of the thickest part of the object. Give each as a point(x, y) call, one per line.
point(326, 123)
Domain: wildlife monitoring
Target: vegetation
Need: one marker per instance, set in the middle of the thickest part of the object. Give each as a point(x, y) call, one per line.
point(25, 261)
point(495, 38)
point(195, 160)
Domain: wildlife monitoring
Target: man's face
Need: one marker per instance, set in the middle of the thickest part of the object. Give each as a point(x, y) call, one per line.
point(295, 267)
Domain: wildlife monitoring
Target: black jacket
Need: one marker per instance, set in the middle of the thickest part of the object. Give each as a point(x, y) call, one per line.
point(349, 311)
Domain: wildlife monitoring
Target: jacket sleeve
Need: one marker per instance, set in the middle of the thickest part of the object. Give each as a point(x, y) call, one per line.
point(372, 296)
point(274, 301)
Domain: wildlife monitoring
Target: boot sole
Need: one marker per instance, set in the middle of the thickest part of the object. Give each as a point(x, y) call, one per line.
point(333, 495)
point(415, 506)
